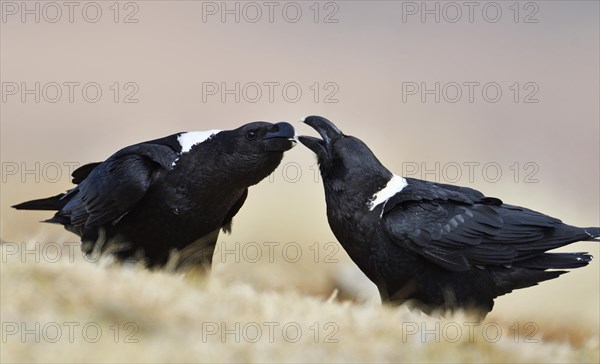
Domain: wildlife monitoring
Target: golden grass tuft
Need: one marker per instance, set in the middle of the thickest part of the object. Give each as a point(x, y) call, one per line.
point(124, 313)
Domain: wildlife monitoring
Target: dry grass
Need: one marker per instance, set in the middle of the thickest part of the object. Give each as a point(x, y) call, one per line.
point(183, 318)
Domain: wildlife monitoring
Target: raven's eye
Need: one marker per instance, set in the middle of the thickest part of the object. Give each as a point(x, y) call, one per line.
point(251, 135)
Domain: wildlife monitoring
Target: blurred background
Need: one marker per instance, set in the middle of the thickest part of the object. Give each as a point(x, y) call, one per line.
point(502, 97)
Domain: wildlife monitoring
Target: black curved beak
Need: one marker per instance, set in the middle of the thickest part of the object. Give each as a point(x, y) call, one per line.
point(281, 137)
point(326, 129)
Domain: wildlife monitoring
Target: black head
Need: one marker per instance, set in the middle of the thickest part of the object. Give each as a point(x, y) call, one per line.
point(343, 158)
point(245, 155)
point(259, 137)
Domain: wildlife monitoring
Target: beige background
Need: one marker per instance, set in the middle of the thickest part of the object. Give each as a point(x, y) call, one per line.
point(369, 53)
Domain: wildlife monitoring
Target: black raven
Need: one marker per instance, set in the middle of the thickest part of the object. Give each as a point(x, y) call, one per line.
point(170, 195)
point(441, 246)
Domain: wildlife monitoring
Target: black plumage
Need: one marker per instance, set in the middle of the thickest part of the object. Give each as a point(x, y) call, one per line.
point(169, 196)
point(439, 246)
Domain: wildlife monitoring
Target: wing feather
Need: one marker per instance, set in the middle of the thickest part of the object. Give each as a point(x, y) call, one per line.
point(458, 228)
point(111, 188)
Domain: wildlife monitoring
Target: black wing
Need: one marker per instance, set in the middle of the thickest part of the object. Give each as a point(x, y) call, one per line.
point(458, 228)
point(110, 189)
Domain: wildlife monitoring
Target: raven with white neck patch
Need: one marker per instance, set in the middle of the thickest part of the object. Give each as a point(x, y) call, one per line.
point(168, 196)
point(442, 247)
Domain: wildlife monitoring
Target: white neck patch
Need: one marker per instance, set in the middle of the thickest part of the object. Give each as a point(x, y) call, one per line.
point(394, 185)
point(189, 139)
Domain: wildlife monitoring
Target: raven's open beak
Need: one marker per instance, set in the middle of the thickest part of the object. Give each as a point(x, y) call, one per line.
point(281, 138)
point(326, 129)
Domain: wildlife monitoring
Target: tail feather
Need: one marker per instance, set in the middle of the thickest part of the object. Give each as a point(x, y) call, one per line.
point(63, 220)
point(534, 270)
point(557, 261)
point(520, 277)
point(593, 232)
point(53, 203)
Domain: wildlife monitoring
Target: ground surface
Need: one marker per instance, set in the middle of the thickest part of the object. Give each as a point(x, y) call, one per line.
point(76, 311)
